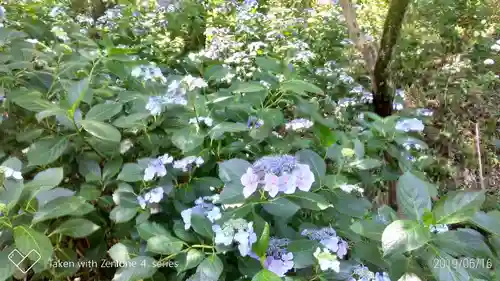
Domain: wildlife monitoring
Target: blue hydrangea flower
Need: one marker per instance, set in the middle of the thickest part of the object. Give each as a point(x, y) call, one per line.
point(154, 196)
point(236, 231)
point(156, 167)
point(155, 105)
point(204, 206)
point(254, 122)
point(382, 276)
point(362, 273)
point(327, 236)
point(2, 12)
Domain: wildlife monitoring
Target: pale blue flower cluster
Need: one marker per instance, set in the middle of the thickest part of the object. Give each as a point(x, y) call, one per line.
point(193, 83)
point(327, 236)
point(398, 99)
point(176, 94)
point(2, 12)
point(157, 168)
point(237, 231)
point(204, 206)
point(408, 125)
point(148, 73)
point(326, 260)
point(254, 122)
point(299, 124)
point(282, 173)
point(152, 197)
point(363, 273)
point(188, 162)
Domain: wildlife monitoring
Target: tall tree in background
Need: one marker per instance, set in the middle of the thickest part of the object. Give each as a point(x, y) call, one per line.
point(377, 60)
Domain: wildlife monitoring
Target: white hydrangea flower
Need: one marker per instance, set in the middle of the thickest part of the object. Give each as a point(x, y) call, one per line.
point(438, 228)
point(326, 260)
point(351, 187)
point(9, 173)
point(125, 146)
point(408, 125)
point(489, 62)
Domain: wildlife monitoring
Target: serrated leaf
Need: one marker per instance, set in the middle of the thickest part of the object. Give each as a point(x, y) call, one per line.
point(165, 245)
point(28, 239)
point(77, 228)
point(211, 268)
point(101, 130)
point(61, 206)
point(131, 172)
point(300, 87)
point(402, 236)
point(187, 139)
point(413, 196)
point(458, 206)
point(227, 127)
point(46, 151)
point(247, 87)
point(121, 214)
point(260, 247)
point(202, 226)
point(266, 275)
point(281, 207)
point(104, 111)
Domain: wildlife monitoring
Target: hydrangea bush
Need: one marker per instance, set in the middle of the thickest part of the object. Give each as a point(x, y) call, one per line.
point(250, 158)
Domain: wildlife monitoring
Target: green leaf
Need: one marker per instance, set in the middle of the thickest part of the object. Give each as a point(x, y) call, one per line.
point(260, 247)
point(315, 162)
point(266, 275)
point(303, 251)
point(300, 87)
point(165, 245)
point(111, 168)
point(268, 64)
point(365, 164)
point(187, 139)
point(28, 240)
point(413, 196)
point(33, 102)
point(232, 170)
point(133, 120)
point(46, 151)
point(189, 260)
point(101, 130)
point(369, 229)
point(131, 172)
point(77, 228)
point(227, 127)
point(79, 91)
point(11, 192)
point(281, 207)
point(45, 180)
point(309, 200)
point(90, 169)
point(61, 206)
point(150, 229)
point(202, 226)
point(458, 206)
point(402, 236)
point(121, 214)
point(247, 87)
point(232, 194)
point(139, 268)
point(211, 268)
point(442, 268)
point(487, 222)
point(119, 253)
point(463, 242)
point(8, 267)
point(104, 111)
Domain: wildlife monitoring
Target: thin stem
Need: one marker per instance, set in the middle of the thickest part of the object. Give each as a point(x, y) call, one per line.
point(479, 159)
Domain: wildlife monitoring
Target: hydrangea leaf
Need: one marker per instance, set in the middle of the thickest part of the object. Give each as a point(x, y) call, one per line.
point(46, 151)
point(139, 268)
point(413, 196)
point(77, 228)
point(33, 244)
point(458, 206)
point(266, 275)
point(404, 235)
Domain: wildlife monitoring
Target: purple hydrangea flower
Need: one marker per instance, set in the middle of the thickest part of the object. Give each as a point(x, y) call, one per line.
point(278, 259)
point(187, 163)
point(254, 122)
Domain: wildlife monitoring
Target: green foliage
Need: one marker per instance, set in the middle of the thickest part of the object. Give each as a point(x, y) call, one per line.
point(182, 143)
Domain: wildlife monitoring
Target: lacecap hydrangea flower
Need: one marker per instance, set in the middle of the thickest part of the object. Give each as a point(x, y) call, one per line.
point(363, 273)
point(156, 167)
point(326, 260)
point(176, 94)
point(152, 197)
point(237, 231)
point(327, 236)
point(278, 259)
point(282, 173)
point(9, 173)
point(204, 206)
